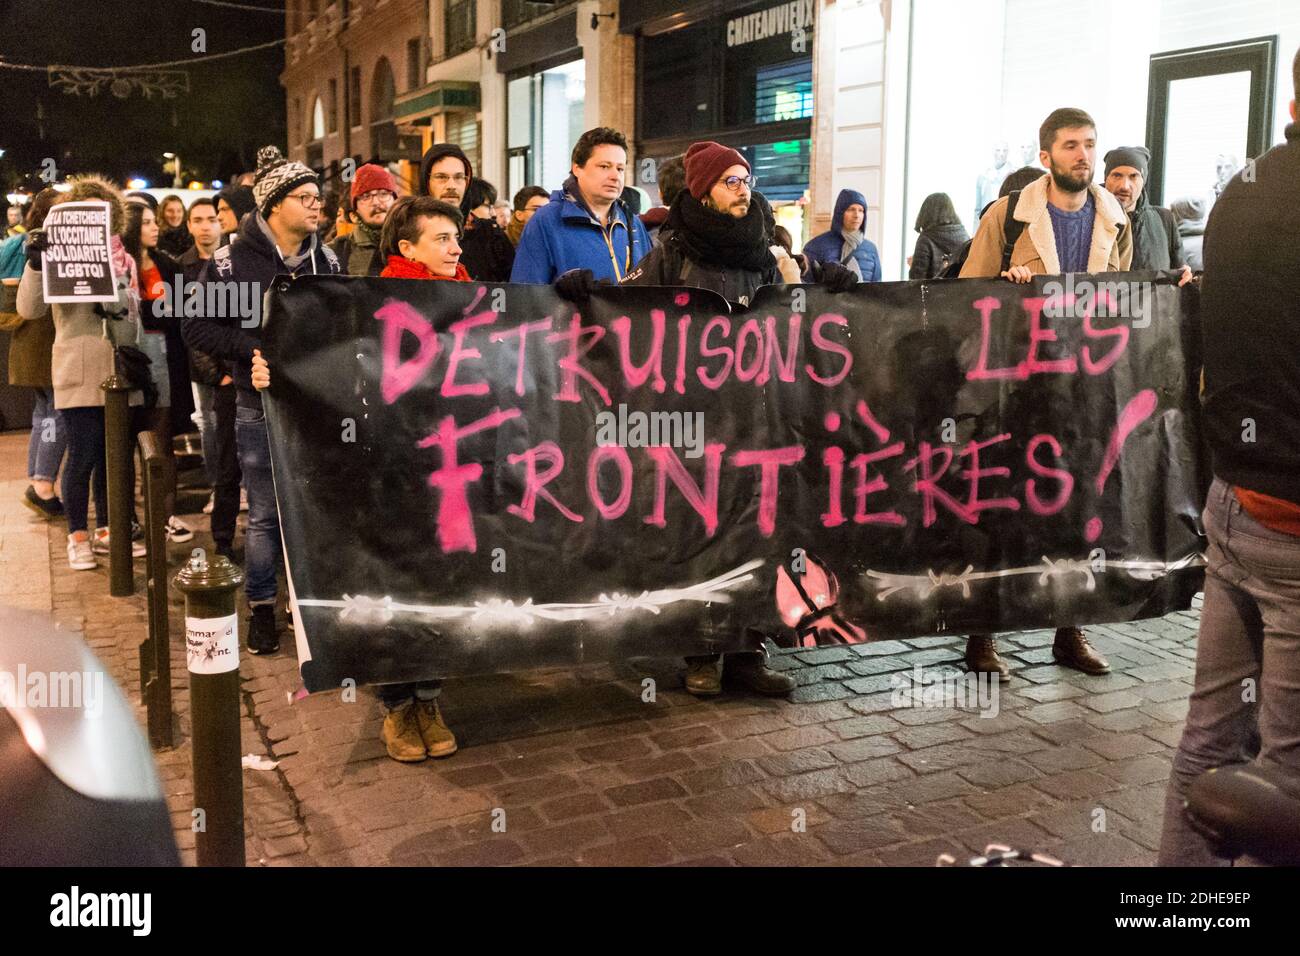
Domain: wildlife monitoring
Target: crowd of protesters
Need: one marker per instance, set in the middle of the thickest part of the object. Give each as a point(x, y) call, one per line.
point(712, 230)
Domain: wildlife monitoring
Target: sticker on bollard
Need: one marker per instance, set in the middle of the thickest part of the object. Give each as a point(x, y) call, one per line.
point(212, 644)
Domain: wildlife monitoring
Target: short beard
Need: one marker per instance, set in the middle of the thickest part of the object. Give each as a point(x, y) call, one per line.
point(1066, 182)
point(708, 201)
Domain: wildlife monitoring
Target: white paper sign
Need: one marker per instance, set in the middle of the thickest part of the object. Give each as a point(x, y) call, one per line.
point(212, 644)
point(77, 264)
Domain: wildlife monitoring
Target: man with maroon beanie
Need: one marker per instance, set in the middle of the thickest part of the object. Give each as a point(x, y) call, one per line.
point(719, 236)
point(373, 193)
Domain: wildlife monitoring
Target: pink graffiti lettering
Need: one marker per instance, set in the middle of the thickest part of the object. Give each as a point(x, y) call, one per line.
point(769, 461)
point(455, 522)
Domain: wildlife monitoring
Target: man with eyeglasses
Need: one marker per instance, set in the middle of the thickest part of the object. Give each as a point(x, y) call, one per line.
point(279, 238)
point(445, 174)
point(718, 237)
point(373, 193)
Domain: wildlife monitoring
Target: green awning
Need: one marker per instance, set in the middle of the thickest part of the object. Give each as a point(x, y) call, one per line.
point(420, 105)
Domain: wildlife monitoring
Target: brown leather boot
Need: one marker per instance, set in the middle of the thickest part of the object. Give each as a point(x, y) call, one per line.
point(982, 657)
point(1071, 649)
point(703, 678)
point(438, 739)
point(401, 734)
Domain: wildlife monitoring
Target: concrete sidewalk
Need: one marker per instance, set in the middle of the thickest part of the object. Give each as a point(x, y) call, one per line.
point(566, 766)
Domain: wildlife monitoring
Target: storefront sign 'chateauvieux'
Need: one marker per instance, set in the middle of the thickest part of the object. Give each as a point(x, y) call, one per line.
point(774, 21)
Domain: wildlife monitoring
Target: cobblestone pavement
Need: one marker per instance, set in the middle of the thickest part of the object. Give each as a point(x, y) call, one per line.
point(571, 766)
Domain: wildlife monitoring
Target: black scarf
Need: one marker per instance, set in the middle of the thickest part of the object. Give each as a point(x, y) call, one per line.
point(716, 238)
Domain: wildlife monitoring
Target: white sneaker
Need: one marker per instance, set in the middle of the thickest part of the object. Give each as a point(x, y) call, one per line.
point(99, 544)
point(80, 555)
point(243, 499)
point(177, 531)
point(212, 503)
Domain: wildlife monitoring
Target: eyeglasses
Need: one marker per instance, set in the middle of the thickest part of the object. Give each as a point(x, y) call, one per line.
point(733, 182)
point(308, 200)
point(376, 195)
point(442, 179)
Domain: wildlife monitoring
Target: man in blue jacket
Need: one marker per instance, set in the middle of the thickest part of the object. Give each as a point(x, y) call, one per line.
point(585, 225)
point(846, 242)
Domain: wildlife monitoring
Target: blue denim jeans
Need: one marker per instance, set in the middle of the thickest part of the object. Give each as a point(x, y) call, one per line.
point(49, 438)
point(1245, 705)
point(262, 537)
point(397, 696)
point(85, 474)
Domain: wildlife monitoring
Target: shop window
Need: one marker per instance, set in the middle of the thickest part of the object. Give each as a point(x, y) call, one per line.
point(783, 92)
point(783, 170)
point(762, 83)
point(544, 119)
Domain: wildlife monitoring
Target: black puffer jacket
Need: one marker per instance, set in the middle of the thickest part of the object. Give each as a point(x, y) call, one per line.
point(935, 250)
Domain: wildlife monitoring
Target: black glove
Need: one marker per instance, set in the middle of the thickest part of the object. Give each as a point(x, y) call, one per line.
point(838, 278)
point(576, 285)
point(37, 242)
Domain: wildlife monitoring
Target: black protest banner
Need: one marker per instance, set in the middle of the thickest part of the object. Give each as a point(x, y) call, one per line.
point(77, 264)
point(476, 478)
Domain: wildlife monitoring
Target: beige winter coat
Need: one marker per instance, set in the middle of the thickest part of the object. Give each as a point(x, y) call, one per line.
point(1112, 239)
point(82, 356)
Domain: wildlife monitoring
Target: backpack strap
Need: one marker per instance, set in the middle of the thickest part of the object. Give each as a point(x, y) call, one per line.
point(1011, 229)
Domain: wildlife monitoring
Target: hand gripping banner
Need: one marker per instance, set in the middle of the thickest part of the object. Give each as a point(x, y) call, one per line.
point(476, 478)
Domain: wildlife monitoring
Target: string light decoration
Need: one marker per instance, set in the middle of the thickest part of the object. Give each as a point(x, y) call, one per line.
point(162, 80)
point(81, 82)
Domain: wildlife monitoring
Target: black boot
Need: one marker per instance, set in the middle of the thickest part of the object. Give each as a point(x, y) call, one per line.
point(751, 672)
point(262, 638)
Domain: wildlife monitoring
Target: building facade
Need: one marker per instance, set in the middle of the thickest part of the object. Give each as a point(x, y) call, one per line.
point(893, 98)
point(346, 62)
point(512, 82)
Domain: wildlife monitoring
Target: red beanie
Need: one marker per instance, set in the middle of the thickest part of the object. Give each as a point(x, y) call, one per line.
point(370, 177)
point(706, 162)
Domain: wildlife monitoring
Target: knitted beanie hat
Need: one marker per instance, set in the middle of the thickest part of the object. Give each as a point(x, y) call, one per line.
point(1136, 156)
point(370, 177)
point(276, 177)
point(705, 163)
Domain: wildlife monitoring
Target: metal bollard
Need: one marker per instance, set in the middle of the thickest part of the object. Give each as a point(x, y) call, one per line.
point(117, 447)
point(212, 657)
point(155, 650)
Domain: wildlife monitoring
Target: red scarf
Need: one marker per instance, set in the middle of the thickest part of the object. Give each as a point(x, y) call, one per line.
point(400, 267)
